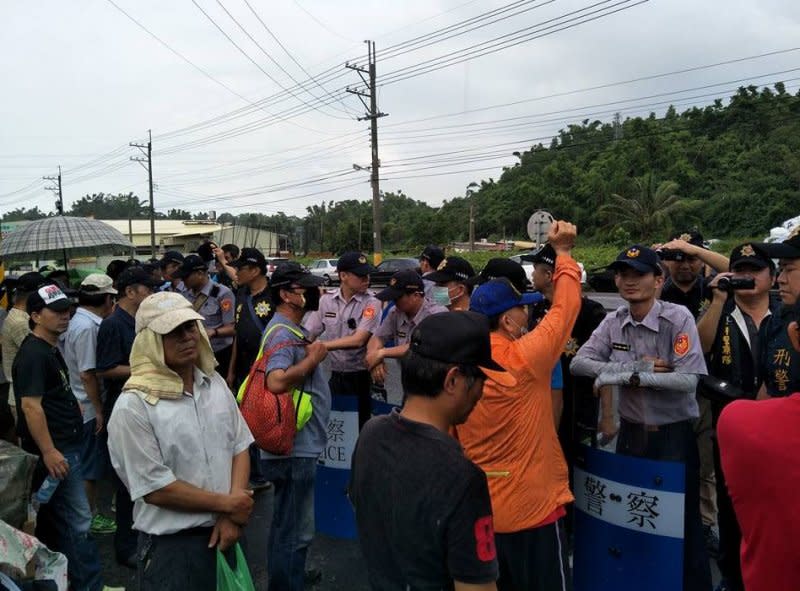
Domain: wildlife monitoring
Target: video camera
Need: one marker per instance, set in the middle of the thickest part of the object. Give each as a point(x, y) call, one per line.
point(729, 284)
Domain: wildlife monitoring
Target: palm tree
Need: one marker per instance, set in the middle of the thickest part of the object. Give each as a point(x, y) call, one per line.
point(648, 213)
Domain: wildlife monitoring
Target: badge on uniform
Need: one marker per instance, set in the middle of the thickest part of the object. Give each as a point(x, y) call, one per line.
point(369, 313)
point(330, 314)
point(620, 347)
point(571, 348)
point(681, 345)
point(401, 335)
point(226, 305)
point(262, 309)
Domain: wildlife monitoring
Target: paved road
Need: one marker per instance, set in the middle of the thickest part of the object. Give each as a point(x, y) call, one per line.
point(339, 560)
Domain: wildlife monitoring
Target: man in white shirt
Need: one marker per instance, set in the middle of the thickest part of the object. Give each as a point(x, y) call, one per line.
point(180, 445)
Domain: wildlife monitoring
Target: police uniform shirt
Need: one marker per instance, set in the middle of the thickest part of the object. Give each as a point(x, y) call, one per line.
point(779, 363)
point(218, 310)
point(398, 327)
point(696, 299)
point(180, 288)
point(668, 332)
point(252, 316)
point(337, 318)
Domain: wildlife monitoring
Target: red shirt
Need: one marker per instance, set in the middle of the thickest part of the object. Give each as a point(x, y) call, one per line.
point(759, 442)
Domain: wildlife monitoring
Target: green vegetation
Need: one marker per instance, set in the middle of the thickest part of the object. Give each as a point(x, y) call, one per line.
point(731, 170)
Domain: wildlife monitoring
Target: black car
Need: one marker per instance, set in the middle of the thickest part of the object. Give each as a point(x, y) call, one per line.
point(389, 267)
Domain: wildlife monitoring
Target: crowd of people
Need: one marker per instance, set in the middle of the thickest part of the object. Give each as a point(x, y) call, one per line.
point(132, 377)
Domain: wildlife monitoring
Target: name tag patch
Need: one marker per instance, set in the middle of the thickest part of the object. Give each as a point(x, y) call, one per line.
point(330, 314)
point(620, 347)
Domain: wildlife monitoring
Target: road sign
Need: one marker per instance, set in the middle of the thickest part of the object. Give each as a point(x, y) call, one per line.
point(539, 225)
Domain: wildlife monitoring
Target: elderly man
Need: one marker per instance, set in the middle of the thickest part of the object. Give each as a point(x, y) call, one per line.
point(423, 509)
point(293, 366)
point(179, 443)
point(511, 434)
point(651, 350)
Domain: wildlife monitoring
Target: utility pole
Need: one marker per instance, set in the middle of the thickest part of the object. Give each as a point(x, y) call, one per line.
point(147, 150)
point(471, 197)
point(372, 115)
point(57, 191)
point(59, 205)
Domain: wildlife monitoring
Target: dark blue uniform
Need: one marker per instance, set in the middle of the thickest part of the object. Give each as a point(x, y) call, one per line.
point(779, 362)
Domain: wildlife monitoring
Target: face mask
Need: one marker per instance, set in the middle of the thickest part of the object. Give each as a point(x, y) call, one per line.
point(311, 299)
point(441, 296)
point(523, 330)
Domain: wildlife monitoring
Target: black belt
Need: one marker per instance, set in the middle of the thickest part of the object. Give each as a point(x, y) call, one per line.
point(345, 374)
point(652, 428)
point(192, 532)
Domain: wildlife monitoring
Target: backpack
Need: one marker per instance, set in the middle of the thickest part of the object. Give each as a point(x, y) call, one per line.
point(273, 418)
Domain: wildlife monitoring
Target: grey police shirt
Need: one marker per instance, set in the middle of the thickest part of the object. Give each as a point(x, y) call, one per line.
point(338, 318)
point(619, 346)
point(399, 327)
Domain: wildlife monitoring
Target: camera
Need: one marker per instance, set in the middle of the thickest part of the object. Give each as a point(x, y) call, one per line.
point(668, 254)
point(729, 284)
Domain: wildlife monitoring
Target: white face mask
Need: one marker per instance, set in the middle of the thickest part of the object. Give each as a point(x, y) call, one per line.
point(441, 296)
point(523, 330)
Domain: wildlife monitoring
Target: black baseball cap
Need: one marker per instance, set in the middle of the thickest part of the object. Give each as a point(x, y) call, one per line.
point(750, 254)
point(401, 283)
point(691, 236)
point(171, 256)
point(135, 276)
point(47, 296)
point(293, 273)
point(502, 267)
point(433, 254)
point(30, 282)
point(452, 269)
point(546, 254)
point(190, 264)
point(639, 258)
point(206, 251)
point(788, 249)
point(354, 262)
point(252, 257)
point(460, 338)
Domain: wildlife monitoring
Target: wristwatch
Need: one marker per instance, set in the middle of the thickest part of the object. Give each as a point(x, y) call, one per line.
point(634, 379)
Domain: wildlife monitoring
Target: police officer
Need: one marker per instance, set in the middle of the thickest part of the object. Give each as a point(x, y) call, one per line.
point(686, 259)
point(170, 265)
point(253, 311)
point(729, 335)
point(651, 350)
point(502, 267)
point(779, 362)
point(345, 321)
point(452, 283)
point(430, 259)
point(407, 292)
point(215, 303)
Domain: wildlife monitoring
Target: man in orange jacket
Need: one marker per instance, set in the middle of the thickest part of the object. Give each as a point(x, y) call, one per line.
point(511, 435)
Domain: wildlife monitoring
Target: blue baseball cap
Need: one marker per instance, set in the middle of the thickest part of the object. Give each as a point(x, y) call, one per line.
point(499, 295)
point(639, 258)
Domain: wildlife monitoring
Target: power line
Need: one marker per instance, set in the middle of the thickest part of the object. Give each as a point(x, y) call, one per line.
point(509, 40)
point(195, 66)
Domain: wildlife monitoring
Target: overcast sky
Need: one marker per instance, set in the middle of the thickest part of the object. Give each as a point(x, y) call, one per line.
point(81, 81)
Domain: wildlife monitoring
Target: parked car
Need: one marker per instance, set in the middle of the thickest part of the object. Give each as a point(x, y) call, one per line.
point(272, 263)
point(389, 267)
point(325, 268)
